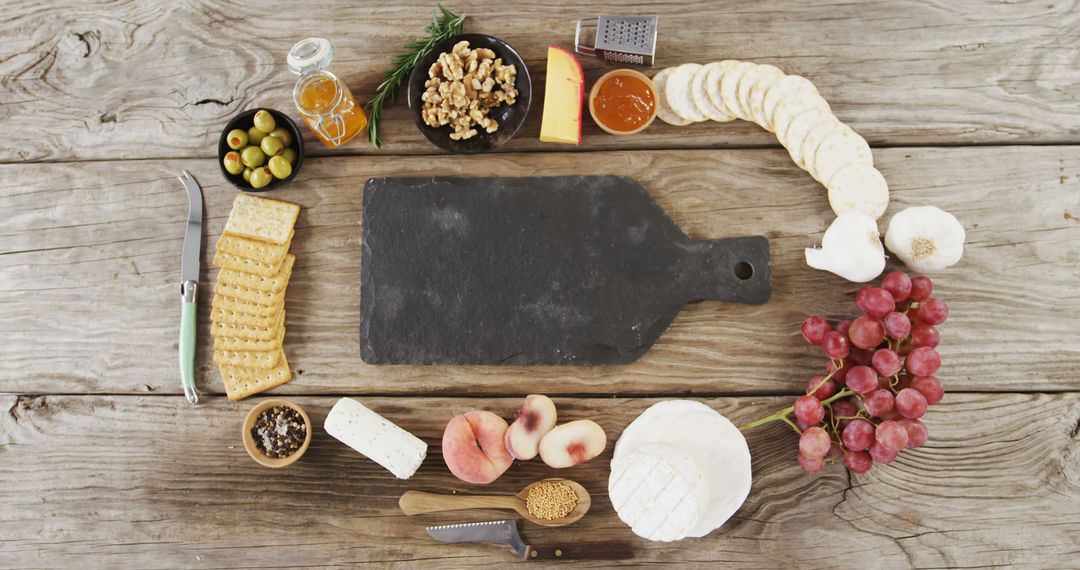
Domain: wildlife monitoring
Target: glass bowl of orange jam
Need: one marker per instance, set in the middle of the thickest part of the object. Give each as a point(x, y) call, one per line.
point(623, 102)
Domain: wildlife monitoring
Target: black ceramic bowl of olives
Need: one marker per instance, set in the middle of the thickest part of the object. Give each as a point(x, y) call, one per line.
point(260, 149)
point(509, 116)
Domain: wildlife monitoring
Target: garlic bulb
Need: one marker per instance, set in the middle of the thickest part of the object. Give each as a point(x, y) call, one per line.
point(925, 238)
point(851, 248)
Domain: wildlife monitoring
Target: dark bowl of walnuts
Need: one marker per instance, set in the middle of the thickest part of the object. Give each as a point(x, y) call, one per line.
point(470, 93)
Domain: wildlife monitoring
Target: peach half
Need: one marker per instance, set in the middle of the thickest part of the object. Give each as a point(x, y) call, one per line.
point(572, 443)
point(534, 420)
point(473, 448)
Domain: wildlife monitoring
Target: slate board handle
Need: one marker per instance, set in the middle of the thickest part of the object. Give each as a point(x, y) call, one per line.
point(736, 270)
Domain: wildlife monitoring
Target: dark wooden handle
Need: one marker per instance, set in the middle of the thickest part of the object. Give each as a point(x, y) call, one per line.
point(606, 550)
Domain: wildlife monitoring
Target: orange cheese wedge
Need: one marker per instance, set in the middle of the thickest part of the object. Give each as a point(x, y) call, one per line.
point(564, 95)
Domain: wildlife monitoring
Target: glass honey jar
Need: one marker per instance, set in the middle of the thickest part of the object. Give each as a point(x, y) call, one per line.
point(323, 100)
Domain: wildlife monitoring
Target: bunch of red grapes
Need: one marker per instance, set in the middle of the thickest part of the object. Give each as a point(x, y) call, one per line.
point(879, 379)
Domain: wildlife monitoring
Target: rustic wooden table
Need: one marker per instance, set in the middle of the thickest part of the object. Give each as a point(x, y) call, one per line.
point(970, 105)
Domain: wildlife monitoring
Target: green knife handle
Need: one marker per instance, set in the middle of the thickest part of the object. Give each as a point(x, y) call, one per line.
point(188, 296)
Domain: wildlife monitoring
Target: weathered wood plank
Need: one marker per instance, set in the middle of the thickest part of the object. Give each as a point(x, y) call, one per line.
point(148, 482)
point(146, 79)
point(91, 253)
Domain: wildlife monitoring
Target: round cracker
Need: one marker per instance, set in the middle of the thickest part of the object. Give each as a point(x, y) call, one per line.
point(699, 91)
point(795, 105)
point(794, 131)
point(678, 93)
point(788, 87)
point(664, 112)
point(757, 100)
point(798, 133)
point(841, 148)
point(755, 76)
point(729, 88)
point(717, 70)
point(860, 187)
point(813, 140)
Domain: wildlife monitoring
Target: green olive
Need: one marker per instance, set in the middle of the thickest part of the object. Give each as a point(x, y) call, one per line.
point(237, 139)
point(264, 121)
point(246, 174)
point(255, 136)
point(282, 134)
point(272, 146)
point(253, 157)
point(232, 162)
point(290, 155)
point(260, 177)
point(280, 167)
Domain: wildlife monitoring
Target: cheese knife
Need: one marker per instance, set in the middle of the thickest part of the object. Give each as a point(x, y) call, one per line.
point(189, 285)
point(506, 532)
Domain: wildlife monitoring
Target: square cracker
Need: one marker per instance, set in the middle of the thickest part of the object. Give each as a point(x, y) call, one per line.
point(254, 249)
point(249, 344)
point(235, 330)
point(242, 382)
point(253, 296)
point(228, 260)
point(234, 305)
point(247, 319)
point(274, 284)
point(262, 219)
point(248, 358)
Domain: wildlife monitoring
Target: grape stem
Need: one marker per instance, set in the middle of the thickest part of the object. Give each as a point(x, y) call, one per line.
point(783, 414)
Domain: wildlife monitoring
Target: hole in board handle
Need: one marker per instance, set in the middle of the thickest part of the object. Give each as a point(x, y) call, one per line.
point(744, 270)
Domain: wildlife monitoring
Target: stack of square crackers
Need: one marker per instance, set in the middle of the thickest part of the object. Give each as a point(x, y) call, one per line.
point(248, 312)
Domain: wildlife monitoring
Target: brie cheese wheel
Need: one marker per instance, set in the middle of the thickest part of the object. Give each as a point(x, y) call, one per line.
point(659, 491)
point(376, 437)
point(715, 444)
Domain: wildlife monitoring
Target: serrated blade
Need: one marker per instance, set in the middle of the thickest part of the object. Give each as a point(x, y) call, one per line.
point(189, 261)
point(502, 532)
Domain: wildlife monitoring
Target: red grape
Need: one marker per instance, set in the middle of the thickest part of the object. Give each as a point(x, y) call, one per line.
point(875, 301)
point(858, 435)
point(814, 330)
point(886, 362)
point(866, 332)
point(835, 345)
point(925, 335)
point(916, 433)
point(898, 284)
point(823, 390)
point(911, 403)
point(814, 442)
point(933, 311)
point(858, 461)
point(921, 287)
point(809, 410)
point(843, 409)
point(897, 325)
point(891, 435)
point(930, 388)
point(862, 379)
point(811, 464)
point(843, 326)
point(881, 454)
point(923, 361)
point(840, 373)
point(879, 402)
point(862, 356)
point(903, 382)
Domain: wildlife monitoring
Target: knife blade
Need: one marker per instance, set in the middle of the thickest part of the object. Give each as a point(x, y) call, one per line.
point(506, 532)
point(189, 285)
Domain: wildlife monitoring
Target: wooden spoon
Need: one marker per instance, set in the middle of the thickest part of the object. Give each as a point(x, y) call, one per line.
point(419, 502)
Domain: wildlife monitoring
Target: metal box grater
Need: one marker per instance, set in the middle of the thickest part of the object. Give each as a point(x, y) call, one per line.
point(620, 39)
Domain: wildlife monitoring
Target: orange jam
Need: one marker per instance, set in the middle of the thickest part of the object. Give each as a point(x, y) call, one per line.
point(624, 103)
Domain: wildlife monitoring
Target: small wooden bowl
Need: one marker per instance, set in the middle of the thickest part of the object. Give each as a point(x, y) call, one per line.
point(621, 73)
point(249, 443)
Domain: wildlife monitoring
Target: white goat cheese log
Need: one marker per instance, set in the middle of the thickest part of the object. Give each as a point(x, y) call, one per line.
point(376, 437)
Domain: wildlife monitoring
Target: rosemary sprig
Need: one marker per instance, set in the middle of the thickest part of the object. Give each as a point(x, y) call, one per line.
point(444, 24)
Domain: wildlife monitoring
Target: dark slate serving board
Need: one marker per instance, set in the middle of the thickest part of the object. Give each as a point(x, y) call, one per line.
point(554, 270)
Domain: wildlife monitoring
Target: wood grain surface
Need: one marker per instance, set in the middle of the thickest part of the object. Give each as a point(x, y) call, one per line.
point(88, 281)
point(159, 80)
point(148, 482)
